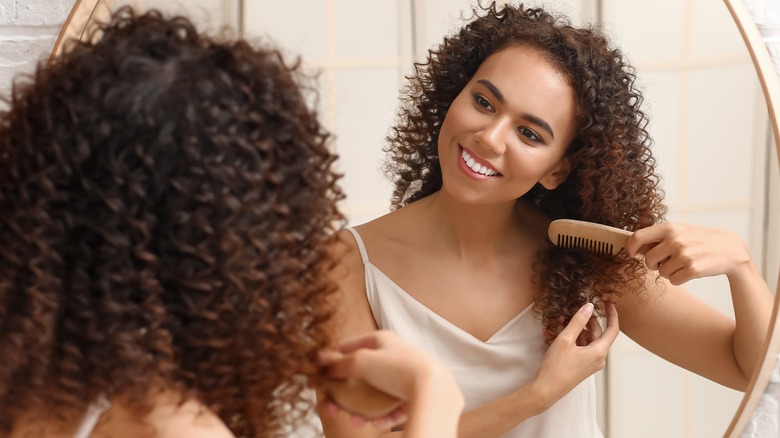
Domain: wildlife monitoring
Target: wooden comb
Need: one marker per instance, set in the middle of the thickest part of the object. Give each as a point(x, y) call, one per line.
point(589, 236)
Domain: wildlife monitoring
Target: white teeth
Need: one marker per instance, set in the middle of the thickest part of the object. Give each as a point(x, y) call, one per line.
point(476, 167)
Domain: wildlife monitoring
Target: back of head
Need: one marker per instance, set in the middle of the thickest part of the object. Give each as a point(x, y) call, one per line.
point(166, 199)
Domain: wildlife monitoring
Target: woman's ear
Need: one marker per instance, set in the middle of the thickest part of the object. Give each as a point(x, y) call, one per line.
point(560, 172)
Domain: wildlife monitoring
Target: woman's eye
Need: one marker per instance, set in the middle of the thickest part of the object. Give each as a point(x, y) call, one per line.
point(482, 102)
point(530, 134)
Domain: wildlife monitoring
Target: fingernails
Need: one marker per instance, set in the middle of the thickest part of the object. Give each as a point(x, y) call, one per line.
point(329, 356)
point(587, 309)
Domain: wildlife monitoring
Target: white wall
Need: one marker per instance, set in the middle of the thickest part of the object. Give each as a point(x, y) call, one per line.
point(708, 120)
point(28, 29)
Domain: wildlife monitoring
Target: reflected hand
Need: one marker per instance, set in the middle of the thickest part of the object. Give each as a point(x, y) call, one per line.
point(566, 364)
point(684, 252)
point(384, 361)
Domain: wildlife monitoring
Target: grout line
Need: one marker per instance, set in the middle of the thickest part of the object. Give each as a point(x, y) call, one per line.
point(685, 108)
point(690, 63)
point(351, 63)
point(330, 76)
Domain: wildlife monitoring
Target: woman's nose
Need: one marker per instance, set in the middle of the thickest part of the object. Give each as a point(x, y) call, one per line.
point(492, 139)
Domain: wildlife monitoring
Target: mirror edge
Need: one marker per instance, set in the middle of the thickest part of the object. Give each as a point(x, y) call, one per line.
point(75, 25)
point(770, 84)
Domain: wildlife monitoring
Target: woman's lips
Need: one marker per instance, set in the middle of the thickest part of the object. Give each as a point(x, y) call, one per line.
point(475, 167)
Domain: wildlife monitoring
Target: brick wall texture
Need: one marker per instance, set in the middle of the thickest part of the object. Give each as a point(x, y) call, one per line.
point(28, 29)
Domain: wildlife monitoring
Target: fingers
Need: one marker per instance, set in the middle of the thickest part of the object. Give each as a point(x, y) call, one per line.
point(612, 330)
point(643, 240)
point(342, 366)
point(594, 329)
point(578, 322)
point(370, 340)
point(397, 417)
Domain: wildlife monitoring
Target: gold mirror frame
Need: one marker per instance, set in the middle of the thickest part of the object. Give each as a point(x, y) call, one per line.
point(85, 11)
point(770, 84)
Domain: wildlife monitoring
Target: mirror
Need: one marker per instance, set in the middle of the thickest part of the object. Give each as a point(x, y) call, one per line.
point(691, 68)
point(769, 76)
point(75, 26)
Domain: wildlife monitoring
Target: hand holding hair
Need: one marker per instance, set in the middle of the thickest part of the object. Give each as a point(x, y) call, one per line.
point(387, 380)
point(566, 364)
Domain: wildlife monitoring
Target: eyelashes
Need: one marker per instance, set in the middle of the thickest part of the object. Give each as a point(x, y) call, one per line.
point(482, 102)
point(530, 135)
point(527, 133)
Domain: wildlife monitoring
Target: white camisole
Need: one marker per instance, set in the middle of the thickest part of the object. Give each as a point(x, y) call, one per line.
point(485, 370)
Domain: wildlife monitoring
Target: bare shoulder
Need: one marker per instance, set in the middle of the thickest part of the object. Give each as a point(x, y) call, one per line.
point(192, 419)
point(353, 313)
point(170, 417)
point(399, 231)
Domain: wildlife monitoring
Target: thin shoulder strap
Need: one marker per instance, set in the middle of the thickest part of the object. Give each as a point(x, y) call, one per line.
point(361, 246)
point(91, 417)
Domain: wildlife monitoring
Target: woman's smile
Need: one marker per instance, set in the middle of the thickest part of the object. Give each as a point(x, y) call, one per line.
point(475, 167)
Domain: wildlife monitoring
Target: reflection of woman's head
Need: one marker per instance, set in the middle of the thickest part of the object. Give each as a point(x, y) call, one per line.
point(165, 200)
point(612, 179)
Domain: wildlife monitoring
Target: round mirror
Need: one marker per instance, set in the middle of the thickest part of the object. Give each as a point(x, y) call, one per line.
point(364, 49)
point(708, 116)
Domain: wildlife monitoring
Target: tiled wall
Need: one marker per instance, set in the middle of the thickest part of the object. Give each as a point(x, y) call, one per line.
point(708, 119)
point(361, 51)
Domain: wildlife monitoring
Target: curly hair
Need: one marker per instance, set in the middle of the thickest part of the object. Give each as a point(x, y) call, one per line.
point(613, 179)
point(166, 203)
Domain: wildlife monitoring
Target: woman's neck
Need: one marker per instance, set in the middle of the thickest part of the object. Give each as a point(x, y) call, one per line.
point(470, 230)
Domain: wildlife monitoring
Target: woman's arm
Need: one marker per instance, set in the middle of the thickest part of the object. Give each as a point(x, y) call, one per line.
point(677, 326)
point(352, 318)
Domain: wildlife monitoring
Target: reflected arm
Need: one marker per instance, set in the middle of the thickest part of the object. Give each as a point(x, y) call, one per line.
point(677, 326)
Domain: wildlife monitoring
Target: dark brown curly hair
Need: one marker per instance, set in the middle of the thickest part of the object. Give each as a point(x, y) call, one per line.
point(166, 200)
point(613, 179)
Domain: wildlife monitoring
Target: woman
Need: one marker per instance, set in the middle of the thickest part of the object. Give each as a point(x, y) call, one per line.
point(516, 120)
point(165, 200)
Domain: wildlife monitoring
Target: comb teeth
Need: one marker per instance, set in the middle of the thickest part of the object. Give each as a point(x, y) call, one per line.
point(597, 246)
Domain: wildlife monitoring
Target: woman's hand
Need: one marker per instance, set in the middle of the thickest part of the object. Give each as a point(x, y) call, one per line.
point(566, 364)
point(684, 252)
point(385, 362)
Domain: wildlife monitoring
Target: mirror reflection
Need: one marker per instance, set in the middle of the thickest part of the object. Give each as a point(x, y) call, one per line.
point(711, 142)
point(711, 176)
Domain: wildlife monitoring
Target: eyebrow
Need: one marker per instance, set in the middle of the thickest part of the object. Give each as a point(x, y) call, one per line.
point(531, 118)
